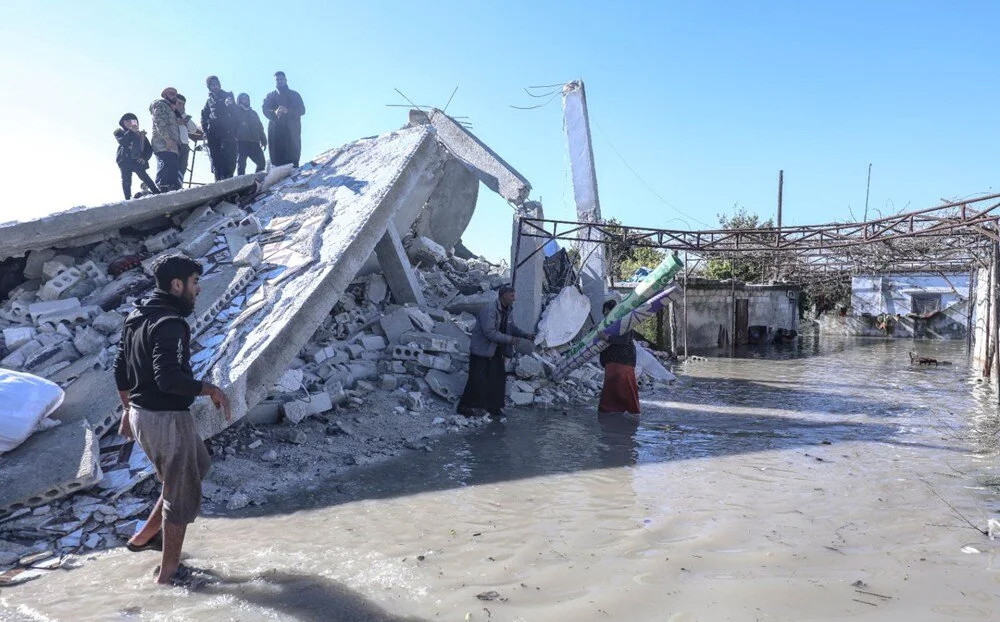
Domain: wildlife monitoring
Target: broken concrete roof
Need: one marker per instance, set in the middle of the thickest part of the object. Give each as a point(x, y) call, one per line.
point(490, 168)
point(74, 227)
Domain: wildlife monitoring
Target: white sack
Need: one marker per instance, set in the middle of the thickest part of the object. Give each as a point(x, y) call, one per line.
point(24, 401)
point(563, 318)
point(646, 363)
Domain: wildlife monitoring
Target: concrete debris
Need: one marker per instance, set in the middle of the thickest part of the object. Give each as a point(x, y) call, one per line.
point(286, 323)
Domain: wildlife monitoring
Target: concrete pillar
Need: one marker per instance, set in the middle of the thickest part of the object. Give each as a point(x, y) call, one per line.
point(530, 276)
point(450, 206)
point(396, 268)
point(593, 272)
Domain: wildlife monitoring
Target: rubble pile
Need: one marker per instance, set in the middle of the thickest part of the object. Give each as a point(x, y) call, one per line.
point(364, 381)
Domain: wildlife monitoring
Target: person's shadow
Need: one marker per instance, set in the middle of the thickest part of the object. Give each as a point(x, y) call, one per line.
point(310, 598)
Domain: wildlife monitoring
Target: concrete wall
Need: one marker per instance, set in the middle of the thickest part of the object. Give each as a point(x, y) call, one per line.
point(710, 310)
point(894, 294)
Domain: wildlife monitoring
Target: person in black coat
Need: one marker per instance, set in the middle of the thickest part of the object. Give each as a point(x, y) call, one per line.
point(134, 152)
point(250, 138)
point(218, 121)
point(283, 108)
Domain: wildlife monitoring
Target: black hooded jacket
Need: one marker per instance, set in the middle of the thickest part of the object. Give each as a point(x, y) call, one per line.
point(133, 148)
point(154, 355)
point(218, 119)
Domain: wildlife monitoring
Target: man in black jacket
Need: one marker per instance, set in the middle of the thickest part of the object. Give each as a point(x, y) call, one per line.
point(134, 152)
point(157, 386)
point(250, 138)
point(218, 121)
point(283, 108)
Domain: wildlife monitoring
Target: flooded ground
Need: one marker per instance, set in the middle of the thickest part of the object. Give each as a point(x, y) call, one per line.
point(811, 483)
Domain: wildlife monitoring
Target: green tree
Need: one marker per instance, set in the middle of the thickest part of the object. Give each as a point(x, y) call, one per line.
point(623, 256)
point(749, 267)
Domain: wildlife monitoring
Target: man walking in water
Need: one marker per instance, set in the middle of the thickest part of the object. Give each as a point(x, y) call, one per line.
point(283, 108)
point(157, 386)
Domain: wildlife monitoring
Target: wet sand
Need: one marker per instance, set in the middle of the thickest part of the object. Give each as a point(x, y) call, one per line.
point(810, 485)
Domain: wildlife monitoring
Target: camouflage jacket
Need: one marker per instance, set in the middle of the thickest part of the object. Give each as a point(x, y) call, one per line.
point(166, 133)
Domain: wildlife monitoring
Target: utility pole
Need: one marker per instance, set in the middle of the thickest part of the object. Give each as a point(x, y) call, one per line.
point(867, 190)
point(781, 186)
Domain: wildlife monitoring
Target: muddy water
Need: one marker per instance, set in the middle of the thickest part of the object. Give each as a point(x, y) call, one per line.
point(799, 484)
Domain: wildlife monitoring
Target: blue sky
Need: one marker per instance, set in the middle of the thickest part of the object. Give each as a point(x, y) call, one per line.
point(706, 101)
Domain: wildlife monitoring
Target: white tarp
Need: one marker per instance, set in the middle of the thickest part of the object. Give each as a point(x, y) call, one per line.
point(646, 363)
point(24, 401)
point(563, 318)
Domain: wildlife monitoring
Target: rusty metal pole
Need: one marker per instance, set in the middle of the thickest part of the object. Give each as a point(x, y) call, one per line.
point(996, 316)
point(685, 320)
point(968, 320)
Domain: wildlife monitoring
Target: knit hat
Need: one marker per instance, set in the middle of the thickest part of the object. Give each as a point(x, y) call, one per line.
point(128, 116)
point(169, 93)
point(241, 96)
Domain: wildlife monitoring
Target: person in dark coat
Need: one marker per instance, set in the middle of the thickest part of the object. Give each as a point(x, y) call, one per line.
point(283, 108)
point(620, 392)
point(218, 121)
point(134, 152)
point(250, 138)
point(493, 338)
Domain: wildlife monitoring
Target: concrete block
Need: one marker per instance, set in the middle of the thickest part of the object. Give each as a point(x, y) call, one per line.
point(197, 215)
point(198, 246)
point(108, 322)
point(36, 261)
point(420, 319)
point(430, 342)
point(442, 362)
point(91, 270)
point(405, 353)
point(396, 269)
point(490, 168)
point(265, 413)
point(17, 358)
point(229, 210)
point(388, 382)
point(395, 324)
point(78, 315)
point(520, 398)
point(88, 341)
point(38, 309)
point(250, 255)
point(414, 401)
point(249, 226)
point(452, 331)
point(426, 252)
point(234, 242)
point(75, 369)
point(528, 367)
point(52, 355)
point(297, 410)
point(161, 241)
point(56, 287)
point(16, 337)
point(56, 266)
point(449, 386)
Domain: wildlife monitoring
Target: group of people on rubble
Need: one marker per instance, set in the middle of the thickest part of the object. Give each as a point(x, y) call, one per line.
point(231, 129)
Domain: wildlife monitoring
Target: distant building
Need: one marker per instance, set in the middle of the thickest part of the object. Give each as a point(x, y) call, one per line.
point(922, 306)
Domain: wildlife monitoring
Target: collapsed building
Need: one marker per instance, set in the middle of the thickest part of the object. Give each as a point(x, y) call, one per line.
point(324, 286)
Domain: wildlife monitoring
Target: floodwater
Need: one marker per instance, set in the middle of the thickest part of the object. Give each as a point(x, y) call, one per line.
point(825, 481)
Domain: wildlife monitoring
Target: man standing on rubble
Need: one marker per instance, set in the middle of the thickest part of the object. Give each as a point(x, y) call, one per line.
point(189, 131)
point(157, 386)
point(494, 337)
point(166, 140)
point(218, 120)
point(283, 108)
point(134, 152)
point(250, 137)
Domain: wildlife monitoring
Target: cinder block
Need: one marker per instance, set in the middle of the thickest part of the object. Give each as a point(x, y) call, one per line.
point(16, 337)
point(78, 315)
point(161, 241)
point(249, 226)
point(56, 286)
point(41, 308)
point(405, 353)
point(250, 255)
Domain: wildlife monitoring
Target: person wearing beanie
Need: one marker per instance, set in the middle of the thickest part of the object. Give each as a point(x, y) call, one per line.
point(218, 120)
point(166, 140)
point(134, 152)
point(284, 109)
point(250, 138)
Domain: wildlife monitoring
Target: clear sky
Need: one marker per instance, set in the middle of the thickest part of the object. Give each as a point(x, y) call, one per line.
point(706, 101)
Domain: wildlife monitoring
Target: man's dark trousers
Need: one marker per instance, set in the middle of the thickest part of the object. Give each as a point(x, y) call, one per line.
point(222, 152)
point(250, 149)
point(127, 169)
point(166, 171)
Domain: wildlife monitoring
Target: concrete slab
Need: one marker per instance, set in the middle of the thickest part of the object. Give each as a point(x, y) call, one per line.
point(396, 269)
point(450, 207)
point(490, 168)
point(342, 212)
point(57, 229)
point(529, 278)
